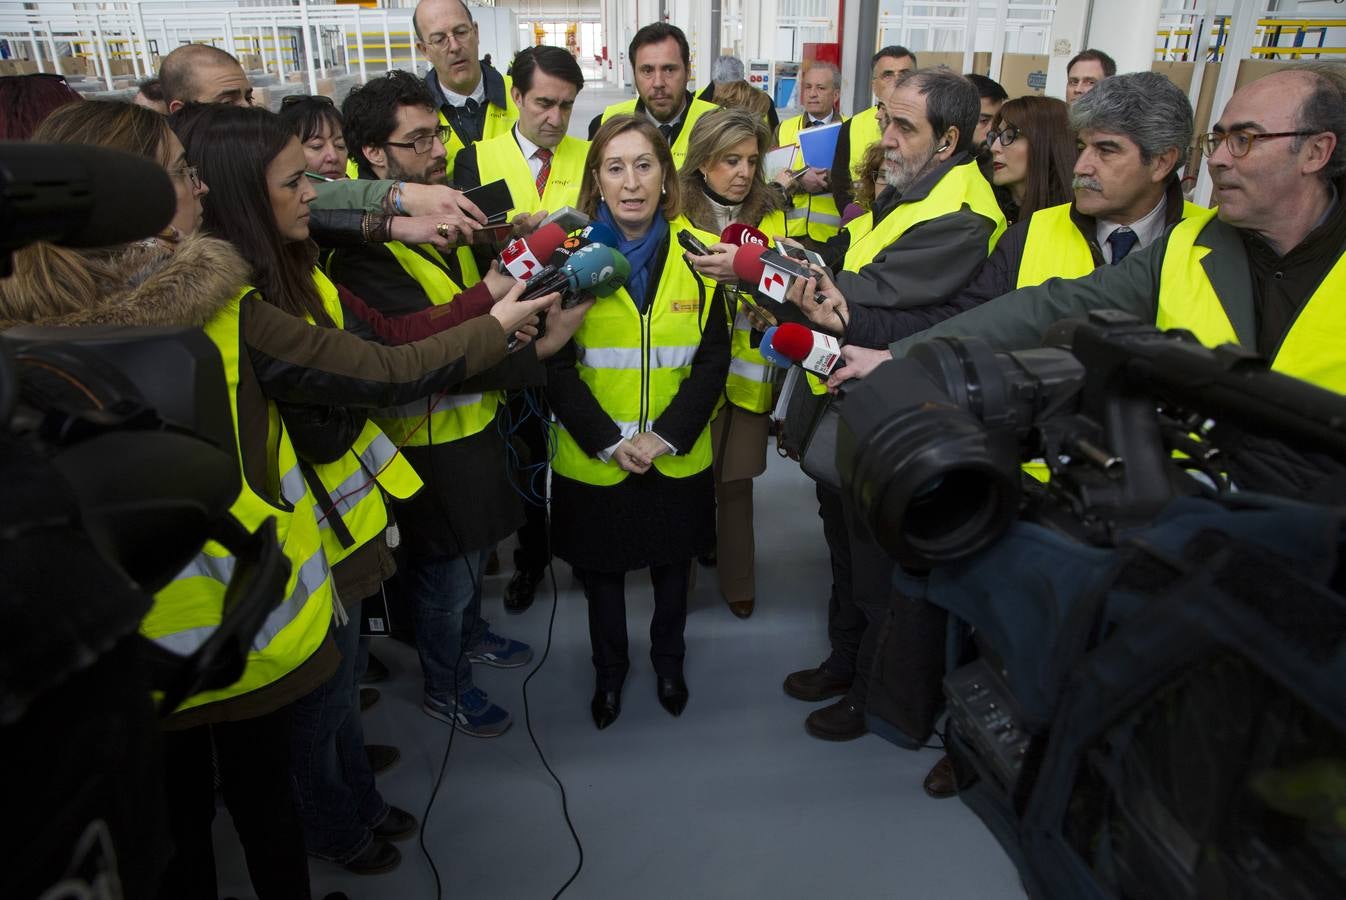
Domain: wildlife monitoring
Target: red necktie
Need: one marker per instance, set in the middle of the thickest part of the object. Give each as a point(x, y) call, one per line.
point(545, 155)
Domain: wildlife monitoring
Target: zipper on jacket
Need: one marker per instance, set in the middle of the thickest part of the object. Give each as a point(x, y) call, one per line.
point(644, 367)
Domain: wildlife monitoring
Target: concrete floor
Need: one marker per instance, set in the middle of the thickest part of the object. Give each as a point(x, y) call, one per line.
point(731, 800)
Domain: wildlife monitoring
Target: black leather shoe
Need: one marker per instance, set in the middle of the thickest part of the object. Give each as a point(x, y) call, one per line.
point(812, 685)
point(606, 706)
point(382, 757)
point(672, 694)
point(520, 590)
point(398, 825)
point(709, 560)
point(376, 670)
point(379, 857)
point(842, 721)
point(941, 781)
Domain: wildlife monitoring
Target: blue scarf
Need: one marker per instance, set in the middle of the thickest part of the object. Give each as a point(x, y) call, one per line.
point(639, 252)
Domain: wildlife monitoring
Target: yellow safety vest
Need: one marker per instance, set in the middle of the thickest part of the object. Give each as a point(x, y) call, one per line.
point(1054, 247)
point(634, 365)
point(187, 612)
point(864, 132)
point(499, 120)
point(963, 185)
point(1312, 350)
point(451, 416)
point(813, 215)
point(501, 157)
point(352, 482)
point(695, 110)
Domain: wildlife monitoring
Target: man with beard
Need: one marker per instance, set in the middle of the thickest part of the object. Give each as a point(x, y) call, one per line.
point(928, 232)
point(468, 504)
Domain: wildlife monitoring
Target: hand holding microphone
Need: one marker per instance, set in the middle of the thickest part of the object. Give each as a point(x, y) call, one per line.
point(811, 350)
point(514, 311)
point(719, 264)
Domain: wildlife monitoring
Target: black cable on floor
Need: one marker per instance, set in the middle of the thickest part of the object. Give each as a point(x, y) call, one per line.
point(528, 721)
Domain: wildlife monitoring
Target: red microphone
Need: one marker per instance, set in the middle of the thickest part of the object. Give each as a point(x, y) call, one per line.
point(812, 350)
point(741, 235)
point(748, 262)
point(524, 257)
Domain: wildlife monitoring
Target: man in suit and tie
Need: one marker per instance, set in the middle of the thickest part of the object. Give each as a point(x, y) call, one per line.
point(543, 167)
point(813, 211)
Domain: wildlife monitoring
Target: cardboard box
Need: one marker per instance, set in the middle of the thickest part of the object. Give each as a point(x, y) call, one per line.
point(1023, 74)
point(930, 59)
point(17, 67)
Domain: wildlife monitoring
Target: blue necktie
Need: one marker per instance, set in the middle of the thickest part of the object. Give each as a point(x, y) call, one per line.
point(1122, 241)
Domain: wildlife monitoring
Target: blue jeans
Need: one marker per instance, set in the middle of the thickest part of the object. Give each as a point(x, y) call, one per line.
point(334, 786)
point(446, 607)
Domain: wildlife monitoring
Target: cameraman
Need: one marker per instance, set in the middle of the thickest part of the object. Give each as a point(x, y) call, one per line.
point(1263, 271)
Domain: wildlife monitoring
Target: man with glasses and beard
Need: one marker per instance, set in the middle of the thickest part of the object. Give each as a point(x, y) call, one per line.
point(393, 131)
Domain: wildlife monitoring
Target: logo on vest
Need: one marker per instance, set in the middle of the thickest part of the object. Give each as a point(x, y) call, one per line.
point(684, 306)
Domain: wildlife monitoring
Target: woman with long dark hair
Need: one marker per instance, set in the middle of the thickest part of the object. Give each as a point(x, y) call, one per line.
point(633, 395)
point(1032, 155)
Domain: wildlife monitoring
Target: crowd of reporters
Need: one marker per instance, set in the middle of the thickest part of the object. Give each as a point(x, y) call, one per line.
point(390, 384)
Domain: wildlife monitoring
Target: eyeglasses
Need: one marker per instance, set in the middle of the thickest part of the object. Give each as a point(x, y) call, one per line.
point(1005, 136)
point(189, 173)
point(423, 143)
point(459, 35)
point(295, 99)
point(1240, 142)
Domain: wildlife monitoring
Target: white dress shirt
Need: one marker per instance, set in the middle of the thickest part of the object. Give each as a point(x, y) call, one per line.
point(1147, 228)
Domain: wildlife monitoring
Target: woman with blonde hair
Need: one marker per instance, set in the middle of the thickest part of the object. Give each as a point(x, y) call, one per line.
point(723, 182)
point(633, 395)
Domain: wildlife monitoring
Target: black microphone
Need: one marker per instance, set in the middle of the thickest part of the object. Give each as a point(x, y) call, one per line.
point(80, 196)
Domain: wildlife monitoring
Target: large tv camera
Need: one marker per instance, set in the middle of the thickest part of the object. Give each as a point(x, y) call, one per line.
point(1157, 707)
point(118, 460)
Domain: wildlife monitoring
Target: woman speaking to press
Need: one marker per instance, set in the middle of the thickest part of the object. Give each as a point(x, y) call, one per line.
point(723, 182)
point(633, 394)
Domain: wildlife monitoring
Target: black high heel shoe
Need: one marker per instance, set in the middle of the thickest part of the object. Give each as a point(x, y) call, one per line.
point(606, 706)
point(672, 694)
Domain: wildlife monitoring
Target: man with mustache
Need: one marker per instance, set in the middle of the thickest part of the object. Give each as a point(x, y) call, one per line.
point(472, 98)
point(661, 60)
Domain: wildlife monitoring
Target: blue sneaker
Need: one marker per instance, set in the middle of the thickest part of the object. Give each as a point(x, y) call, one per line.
point(501, 652)
point(475, 714)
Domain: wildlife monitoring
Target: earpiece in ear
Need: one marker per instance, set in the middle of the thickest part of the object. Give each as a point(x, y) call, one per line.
point(941, 148)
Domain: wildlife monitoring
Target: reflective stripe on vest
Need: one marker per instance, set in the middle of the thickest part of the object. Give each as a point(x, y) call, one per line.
point(963, 185)
point(751, 379)
point(501, 157)
point(695, 110)
point(353, 480)
point(498, 121)
point(1311, 350)
point(452, 416)
point(190, 608)
point(811, 215)
point(634, 365)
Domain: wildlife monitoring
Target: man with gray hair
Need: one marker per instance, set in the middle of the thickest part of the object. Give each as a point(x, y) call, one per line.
point(726, 70)
point(813, 212)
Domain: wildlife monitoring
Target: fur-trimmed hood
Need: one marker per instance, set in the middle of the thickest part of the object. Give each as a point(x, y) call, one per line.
point(143, 284)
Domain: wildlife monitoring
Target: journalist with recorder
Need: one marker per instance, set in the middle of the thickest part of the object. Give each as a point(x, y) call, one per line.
point(633, 395)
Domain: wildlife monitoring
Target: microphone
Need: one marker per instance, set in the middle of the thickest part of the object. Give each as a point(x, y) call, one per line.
point(598, 233)
point(522, 257)
point(769, 353)
point(741, 235)
point(595, 269)
point(76, 195)
point(814, 351)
